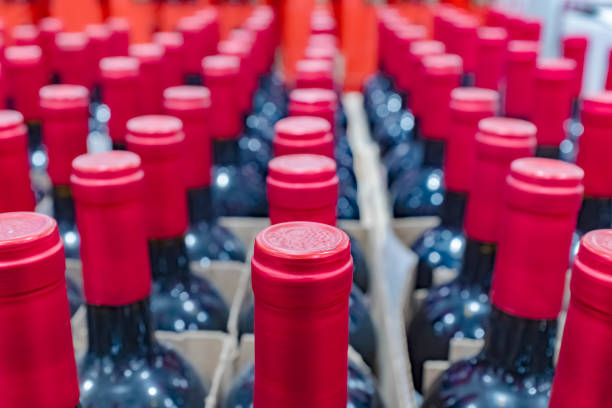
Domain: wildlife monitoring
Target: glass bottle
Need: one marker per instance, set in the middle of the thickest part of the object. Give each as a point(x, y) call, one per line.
point(123, 365)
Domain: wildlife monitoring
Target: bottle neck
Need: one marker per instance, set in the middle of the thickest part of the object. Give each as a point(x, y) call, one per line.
point(226, 152)
point(168, 257)
point(433, 153)
point(199, 202)
point(120, 331)
point(478, 263)
point(63, 205)
point(595, 213)
point(520, 346)
point(453, 209)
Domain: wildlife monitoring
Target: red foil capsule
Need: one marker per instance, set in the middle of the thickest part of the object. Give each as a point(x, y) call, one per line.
point(38, 366)
point(192, 29)
point(150, 89)
point(491, 57)
point(65, 126)
point(301, 278)
point(407, 35)
point(303, 134)
point(191, 104)
point(25, 75)
point(466, 41)
point(595, 146)
point(108, 191)
point(467, 107)
point(120, 36)
point(246, 76)
point(542, 199)
point(74, 59)
point(582, 376)
point(522, 56)
point(321, 103)
point(499, 141)
point(25, 34)
point(302, 187)
point(552, 99)
point(574, 48)
point(172, 64)
point(221, 75)
point(314, 73)
point(99, 46)
point(16, 194)
point(159, 141)
point(441, 74)
point(49, 28)
point(414, 71)
point(119, 92)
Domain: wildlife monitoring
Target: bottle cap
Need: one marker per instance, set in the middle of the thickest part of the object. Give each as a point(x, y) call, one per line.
point(25, 75)
point(499, 141)
point(150, 89)
point(220, 75)
point(159, 141)
point(406, 34)
point(49, 27)
point(414, 67)
point(247, 80)
point(173, 62)
point(17, 194)
point(465, 41)
point(491, 57)
point(108, 191)
point(303, 134)
point(592, 271)
point(314, 102)
point(25, 34)
point(73, 58)
point(65, 126)
point(542, 199)
point(99, 42)
point(302, 187)
point(192, 28)
point(36, 314)
point(468, 105)
point(520, 72)
point(191, 104)
point(120, 36)
point(314, 73)
point(574, 48)
point(301, 278)
point(552, 98)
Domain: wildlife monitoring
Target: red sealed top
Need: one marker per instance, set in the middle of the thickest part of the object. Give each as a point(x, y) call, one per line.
point(191, 104)
point(303, 134)
point(159, 141)
point(50, 25)
point(555, 69)
point(468, 106)
point(119, 67)
point(499, 141)
point(442, 65)
point(542, 200)
point(16, 194)
point(36, 314)
point(413, 68)
point(120, 35)
point(23, 55)
point(97, 32)
point(595, 146)
point(302, 187)
point(168, 39)
point(108, 189)
point(71, 42)
point(64, 96)
point(491, 57)
point(523, 50)
point(314, 102)
point(221, 66)
point(466, 40)
point(520, 71)
point(301, 278)
point(574, 48)
point(25, 34)
point(221, 77)
point(147, 53)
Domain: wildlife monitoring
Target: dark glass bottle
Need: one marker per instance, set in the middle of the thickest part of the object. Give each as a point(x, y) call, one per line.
point(515, 367)
point(180, 300)
point(123, 365)
point(290, 179)
point(322, 378)
point(582, 377)
point(460, 308)
point(206, 239)
point(553, 93)
point(37, 365)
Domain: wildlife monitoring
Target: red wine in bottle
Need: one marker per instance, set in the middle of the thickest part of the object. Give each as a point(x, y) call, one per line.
point(123, 365)
point(515, 367)
point(583, 377)
point(301, 322)
point(180, 300)
point(37, 367)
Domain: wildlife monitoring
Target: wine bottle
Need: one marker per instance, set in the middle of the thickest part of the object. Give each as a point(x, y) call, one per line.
point(16, 189)
point(172, 64)
point(582, 376)
point(596, 211)
point(149, 95)
point(247, 81)
point(206, 239)
point(49, 27)
point(119, 78)
point(179, 300)
point(464, 42)
point(553, 93)
point(421, 193)
point(461, 307)
point(520, 70)
point(73, 56)
point(123, 365)
point(238, 188)
point(200, 35)
point(37, 365)
point(444, 244)
point(65, 125)
point(515, 367)
point(491, 54)
point(301, 323)
point(25, 75)
point(99, 47)
point(575, 48)
point(120, 36)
